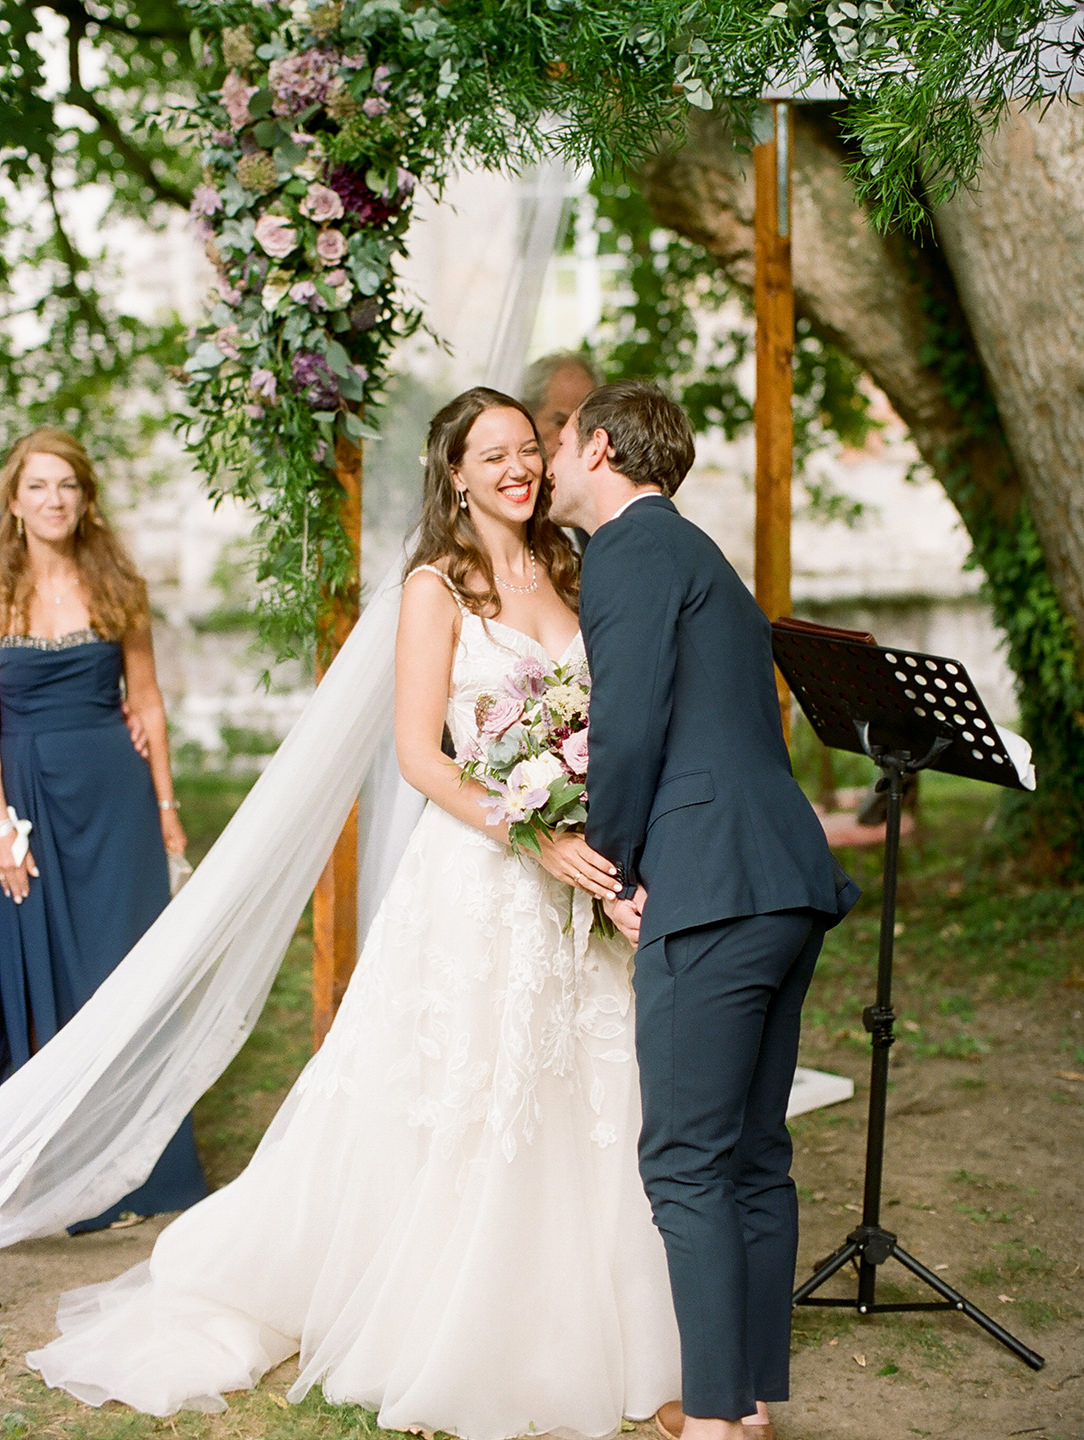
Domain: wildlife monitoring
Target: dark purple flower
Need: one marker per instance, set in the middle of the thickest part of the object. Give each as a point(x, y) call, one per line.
point(314, 380)
point(358, 199)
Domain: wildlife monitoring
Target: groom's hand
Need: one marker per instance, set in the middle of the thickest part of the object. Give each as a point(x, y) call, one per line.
point(626, 914)
point(568, 856)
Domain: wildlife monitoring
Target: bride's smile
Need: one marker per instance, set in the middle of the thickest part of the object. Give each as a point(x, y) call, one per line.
point(501, 470)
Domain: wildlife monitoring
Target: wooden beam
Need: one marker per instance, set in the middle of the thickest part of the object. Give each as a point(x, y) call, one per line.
point(774, 301)
point(335, 899)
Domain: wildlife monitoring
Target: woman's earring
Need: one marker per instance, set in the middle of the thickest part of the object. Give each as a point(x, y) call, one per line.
point(462, 499)
point(20, 528)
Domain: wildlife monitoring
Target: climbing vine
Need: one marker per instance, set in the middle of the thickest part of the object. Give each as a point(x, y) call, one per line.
point(1042, 648)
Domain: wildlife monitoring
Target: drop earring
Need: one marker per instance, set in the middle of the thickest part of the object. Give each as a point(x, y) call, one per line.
point(20, 528)
point(462, 499)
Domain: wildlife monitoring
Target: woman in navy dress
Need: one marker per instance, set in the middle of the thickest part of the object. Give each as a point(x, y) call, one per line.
point(75, 643)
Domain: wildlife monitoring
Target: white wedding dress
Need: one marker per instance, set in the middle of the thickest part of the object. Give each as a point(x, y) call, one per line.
point(445, 1217)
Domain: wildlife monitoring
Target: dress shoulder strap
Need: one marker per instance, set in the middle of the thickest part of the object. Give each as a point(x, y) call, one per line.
point(434, 571)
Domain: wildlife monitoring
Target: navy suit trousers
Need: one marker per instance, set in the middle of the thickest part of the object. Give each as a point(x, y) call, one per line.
point(718, 1013)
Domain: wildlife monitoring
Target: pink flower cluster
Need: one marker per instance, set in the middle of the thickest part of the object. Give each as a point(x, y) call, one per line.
point(530, 750)
point(302, 80)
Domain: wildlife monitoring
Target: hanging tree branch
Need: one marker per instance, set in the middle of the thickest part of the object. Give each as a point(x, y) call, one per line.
point(79, 96)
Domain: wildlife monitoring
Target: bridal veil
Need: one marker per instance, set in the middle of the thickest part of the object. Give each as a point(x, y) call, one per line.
point(82, 1123)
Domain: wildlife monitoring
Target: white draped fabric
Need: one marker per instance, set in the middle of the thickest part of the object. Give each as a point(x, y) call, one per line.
point(83, 1122)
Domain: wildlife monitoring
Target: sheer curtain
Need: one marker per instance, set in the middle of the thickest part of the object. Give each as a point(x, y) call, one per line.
point(84, 1121)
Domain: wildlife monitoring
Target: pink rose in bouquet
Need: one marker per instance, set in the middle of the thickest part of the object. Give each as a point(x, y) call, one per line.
point(530, 757)
point(498, 715)
point(574, 752)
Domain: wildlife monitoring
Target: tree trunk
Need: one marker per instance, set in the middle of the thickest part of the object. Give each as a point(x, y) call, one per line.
point(869, 293)
point(1016, 249)
point(976, 335)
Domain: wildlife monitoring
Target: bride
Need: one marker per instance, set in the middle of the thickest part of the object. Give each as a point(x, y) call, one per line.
point(445, 1218)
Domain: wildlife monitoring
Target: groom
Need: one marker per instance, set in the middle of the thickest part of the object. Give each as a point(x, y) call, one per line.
point(727, 883)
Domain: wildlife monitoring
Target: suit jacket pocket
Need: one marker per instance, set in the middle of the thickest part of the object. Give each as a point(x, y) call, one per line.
point(693, 787)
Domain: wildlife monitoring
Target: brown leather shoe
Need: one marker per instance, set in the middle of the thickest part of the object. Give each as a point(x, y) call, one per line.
point(670, 1421)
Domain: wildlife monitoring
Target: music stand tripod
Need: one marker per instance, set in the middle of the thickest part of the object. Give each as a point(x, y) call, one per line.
point(908, 712)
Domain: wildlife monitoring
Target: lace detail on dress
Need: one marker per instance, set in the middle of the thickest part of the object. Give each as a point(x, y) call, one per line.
point(86, 636)
point(471, 964)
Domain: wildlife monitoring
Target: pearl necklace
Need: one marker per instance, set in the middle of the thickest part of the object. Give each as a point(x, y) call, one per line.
point(520, 589)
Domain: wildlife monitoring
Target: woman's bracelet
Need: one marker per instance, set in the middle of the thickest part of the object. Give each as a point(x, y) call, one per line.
point(168, 805)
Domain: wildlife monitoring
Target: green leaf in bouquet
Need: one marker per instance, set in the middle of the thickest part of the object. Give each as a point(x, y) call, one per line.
point(524, 837)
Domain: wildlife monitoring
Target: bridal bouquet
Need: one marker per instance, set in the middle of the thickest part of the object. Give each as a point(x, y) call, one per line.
point(530, 756)
point(530, 751)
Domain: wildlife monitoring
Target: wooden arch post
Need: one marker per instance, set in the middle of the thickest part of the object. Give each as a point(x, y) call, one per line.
point(335, 899)
point(774, 302)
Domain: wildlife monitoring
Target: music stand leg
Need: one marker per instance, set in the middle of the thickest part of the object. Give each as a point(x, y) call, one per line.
point(870, 1244)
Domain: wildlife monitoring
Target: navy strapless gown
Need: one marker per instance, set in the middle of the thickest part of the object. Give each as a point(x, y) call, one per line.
point(69, 767)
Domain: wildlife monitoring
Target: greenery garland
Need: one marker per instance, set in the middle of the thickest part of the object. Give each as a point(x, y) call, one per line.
point(318, 124)
point(320, 119)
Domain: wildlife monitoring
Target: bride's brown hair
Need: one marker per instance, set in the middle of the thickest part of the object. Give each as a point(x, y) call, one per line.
point(447, 531)
point(116, 593)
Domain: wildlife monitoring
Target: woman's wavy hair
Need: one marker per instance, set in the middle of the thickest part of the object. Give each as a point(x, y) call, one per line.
point(447, 531)
point(116, 592)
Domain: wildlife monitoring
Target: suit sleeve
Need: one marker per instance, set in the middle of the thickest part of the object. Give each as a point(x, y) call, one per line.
point(629, 605)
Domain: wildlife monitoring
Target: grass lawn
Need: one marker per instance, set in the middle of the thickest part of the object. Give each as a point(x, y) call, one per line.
point(983, 951)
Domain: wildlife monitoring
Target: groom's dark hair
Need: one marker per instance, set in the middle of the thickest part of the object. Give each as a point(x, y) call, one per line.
point(650, 435)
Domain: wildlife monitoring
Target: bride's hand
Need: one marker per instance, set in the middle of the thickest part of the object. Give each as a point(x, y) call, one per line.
point(568, 856)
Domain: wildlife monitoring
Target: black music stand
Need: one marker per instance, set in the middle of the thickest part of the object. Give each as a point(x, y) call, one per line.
point(908, 712)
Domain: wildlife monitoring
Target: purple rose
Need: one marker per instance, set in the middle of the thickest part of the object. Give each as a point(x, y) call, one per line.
point(313, 378)
point(330, 246)
point(275, 235)
point(322, 204)
point(574, 751)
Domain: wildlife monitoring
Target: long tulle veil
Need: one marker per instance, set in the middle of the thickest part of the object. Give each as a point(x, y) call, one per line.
point(83, 1122)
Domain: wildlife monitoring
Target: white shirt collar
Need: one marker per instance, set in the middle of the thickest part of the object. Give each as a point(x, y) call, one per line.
point(643, 495)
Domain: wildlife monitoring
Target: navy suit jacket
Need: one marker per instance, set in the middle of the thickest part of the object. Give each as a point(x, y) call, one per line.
point(689, 782)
